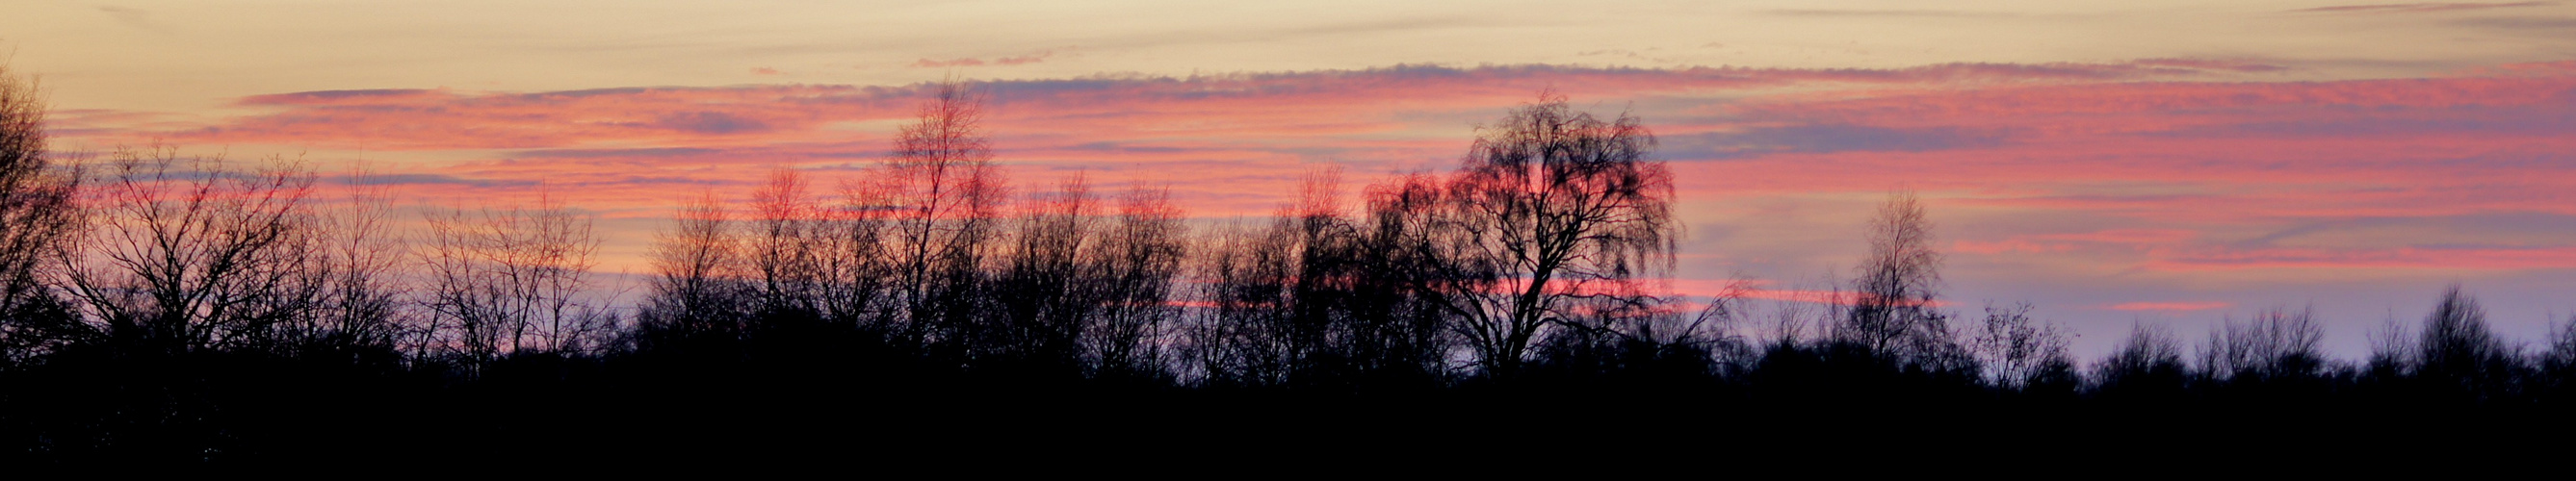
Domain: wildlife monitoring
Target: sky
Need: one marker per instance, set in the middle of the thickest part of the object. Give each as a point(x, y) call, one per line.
point(2109, 162)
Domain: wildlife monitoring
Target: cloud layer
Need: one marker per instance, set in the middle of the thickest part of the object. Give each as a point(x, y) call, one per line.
point(2192, 169)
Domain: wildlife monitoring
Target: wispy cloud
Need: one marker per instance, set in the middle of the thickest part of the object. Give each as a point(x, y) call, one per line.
point(1023, 59)
point(1884, 13)
point(133, 17)
point(2419, 7)
point(2174, 165)
point(2522, 23)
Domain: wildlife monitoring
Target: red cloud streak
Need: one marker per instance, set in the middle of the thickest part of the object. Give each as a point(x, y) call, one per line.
point(2209, 170)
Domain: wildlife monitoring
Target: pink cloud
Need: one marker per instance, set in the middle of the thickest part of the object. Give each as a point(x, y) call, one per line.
point(2132, 238)
point(1025, 59)
point(2185, 155)
point(2414, 257)
point(954, 62)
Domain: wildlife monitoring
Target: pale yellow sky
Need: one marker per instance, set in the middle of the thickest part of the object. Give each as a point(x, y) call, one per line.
point(176, 56)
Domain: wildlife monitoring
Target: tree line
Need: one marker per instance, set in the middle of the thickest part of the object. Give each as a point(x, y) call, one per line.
point(178, 307)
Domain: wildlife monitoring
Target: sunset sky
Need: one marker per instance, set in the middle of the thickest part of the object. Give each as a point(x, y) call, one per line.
point(2176, 162)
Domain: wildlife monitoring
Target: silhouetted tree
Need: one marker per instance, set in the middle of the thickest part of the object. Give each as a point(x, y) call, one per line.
point(360, 268)
point(791, 251)
point(698, 293)
point(158, 307)
point(1139, 258)
point(2149, 363)
point(1892, 310)
point(847, 244)
point(1048, 287)
point(2393, 352)
point(2459, 354)
point(941, 198)
point(515, 281)
point(1400, 282)
point(2277, 344)
point(37, 215)
point(1641, 342)
point(184, 254)
point(1272, 292)
point(2557, 377)
point(2018, 352)
point(1317, 299)
point(1550, 206)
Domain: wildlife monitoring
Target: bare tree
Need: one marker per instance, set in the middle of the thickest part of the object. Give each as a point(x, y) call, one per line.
point(2393, 350)
point(2558, 365)
point(787, 247)
point(2276, 344)
point(1047, 288)
point(1318, 299)
point(853, 257)
point(186, 253)
point(698, 291)
point(37, 215)
point(1400, 275)
point(2149, 359)
point(1892, 311)
point(1809, 312)
point(1139, 258)
point(515, 281)
point(360, 268)
point(942, 196)
point(1550, 206)
point(1268, 293)
point(2017, 351)
point(1227, 342)
point(2458, 351)
point(1721, 325)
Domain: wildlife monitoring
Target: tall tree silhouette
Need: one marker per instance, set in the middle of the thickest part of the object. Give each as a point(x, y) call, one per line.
point(1400, 335)
point(1138, 258)
point(360, 267)
point(941, 197)
point(1892, 311)
point(37, 214)
point(1048, 287)
point(1271, 291)
point(790, 249)
point(1551, 205)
